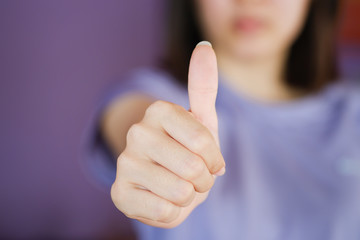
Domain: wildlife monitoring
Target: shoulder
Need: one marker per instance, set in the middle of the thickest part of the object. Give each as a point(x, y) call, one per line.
point(151, 77)
point(345, 97)
point(352, 92)
point(348, 91)
point(153, 82)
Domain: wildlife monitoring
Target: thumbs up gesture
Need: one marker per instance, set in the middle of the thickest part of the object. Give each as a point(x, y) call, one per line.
point(203, 86)
point(172, 155)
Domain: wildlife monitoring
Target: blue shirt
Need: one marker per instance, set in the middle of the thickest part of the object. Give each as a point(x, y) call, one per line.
point(293, 169)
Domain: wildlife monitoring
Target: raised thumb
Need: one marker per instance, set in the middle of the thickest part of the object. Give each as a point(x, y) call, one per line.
point(203, 86)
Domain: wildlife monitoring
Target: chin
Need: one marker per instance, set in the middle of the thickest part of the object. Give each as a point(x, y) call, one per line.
point(251, 51)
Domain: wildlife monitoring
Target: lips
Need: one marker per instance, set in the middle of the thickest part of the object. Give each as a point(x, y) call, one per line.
point(248, 25)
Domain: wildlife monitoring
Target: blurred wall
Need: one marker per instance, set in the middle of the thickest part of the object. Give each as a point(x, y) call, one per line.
point(56, 59)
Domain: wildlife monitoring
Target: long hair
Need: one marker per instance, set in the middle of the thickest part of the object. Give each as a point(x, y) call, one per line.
point(311, 64)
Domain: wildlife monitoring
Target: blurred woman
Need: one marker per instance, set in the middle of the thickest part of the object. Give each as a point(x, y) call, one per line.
point(284, 126)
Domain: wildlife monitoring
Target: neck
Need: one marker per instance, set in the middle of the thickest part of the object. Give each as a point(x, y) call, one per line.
point(258, 79)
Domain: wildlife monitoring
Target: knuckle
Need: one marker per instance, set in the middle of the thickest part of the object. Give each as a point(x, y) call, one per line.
point(123, 162)
point(113, 192)
point(194, 167)
point(165, 212)
point(158, 107)
point(202, 141)
point(208, 184)
point(130, 214)
point(127, 168)
point(118, 196)
point(216, 166)
point(184, 193)
point(136, 131)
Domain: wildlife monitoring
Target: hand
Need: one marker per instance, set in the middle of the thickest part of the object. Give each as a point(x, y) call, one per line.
point(167, 167)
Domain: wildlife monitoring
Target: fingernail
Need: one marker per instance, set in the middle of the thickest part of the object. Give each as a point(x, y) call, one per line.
point(206, 43)
point(220, 172)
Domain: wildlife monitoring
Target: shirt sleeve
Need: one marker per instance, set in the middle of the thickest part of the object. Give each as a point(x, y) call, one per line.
point(97, 162)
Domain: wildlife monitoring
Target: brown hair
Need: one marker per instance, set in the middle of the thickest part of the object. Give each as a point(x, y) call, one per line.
point(312, 60)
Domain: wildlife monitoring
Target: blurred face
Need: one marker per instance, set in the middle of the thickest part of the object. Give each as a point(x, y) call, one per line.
point(252, 29)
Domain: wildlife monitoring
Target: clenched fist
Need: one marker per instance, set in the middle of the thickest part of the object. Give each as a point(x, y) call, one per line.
point(167, 167)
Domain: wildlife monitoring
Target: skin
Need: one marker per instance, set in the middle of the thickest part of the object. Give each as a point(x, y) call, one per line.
point(160, 186)
point(178, 176)
point(251, 39)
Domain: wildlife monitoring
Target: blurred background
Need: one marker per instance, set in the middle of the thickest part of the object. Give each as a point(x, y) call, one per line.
point(57, 58)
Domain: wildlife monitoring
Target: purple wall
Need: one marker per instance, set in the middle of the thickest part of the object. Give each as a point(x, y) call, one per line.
point(56, 58)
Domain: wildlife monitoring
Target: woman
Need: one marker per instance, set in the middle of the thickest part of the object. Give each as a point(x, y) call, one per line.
point(286, 128)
